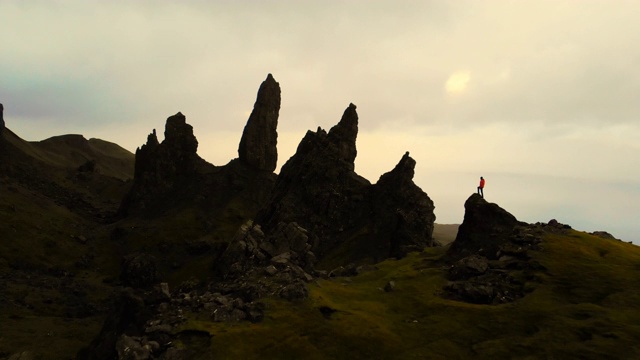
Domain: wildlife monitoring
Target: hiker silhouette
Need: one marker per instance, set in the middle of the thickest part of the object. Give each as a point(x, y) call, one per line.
point(481, 187)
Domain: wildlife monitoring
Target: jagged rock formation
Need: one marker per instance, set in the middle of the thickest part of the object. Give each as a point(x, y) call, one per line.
point(163, 167)
point(486, 226)
point(259, 139)
point(343, 213)
point(413, 216)
point(171, 172)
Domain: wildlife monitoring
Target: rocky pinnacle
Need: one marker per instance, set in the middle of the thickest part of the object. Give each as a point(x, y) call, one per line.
point(344, 134)
point(259, 139)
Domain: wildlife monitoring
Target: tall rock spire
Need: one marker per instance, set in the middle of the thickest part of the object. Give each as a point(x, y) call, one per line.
point(259, 139)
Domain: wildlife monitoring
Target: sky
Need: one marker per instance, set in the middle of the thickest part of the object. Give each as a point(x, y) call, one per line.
point(541, 98)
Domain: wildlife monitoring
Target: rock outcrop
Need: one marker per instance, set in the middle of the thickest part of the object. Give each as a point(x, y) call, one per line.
point(403, 213)
point(319, 190)
point(164, 167)
point(259, 139)
point(490, 260)
point(486, 226)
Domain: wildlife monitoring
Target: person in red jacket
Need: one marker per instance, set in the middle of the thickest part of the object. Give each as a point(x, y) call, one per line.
point(481, 187)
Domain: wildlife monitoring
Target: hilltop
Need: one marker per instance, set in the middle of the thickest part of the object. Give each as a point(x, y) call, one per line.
point(162, 255)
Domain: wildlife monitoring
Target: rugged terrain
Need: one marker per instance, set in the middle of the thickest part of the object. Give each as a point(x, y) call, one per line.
point(160, 255)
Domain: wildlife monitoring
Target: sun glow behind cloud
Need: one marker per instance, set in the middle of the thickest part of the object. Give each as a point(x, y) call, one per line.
point(458, 82)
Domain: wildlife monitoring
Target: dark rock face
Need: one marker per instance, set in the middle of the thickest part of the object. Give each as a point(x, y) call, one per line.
point(318, 189)
point(139, 271)
point(162, 167)
point(485, 228)
point(2, 125)
point(259, 139)
point(402, 211)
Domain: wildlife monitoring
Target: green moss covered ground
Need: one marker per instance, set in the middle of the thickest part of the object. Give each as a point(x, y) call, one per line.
point(583, 307)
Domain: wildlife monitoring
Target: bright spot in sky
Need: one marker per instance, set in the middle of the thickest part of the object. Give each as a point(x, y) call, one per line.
point(457, 82)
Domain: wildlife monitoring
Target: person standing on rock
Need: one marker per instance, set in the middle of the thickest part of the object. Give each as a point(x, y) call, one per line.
point(481, 187)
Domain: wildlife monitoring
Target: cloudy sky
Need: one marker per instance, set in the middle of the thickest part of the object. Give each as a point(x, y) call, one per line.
point(542, 98)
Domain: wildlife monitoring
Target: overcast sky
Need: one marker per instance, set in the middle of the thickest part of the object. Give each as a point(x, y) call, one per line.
point(542, 98)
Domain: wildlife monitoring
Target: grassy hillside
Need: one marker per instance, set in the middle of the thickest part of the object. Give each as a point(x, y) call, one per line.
point(584, 307)
point(54, 249)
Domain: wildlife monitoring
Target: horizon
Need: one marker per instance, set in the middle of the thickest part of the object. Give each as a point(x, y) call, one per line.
point(539, 97)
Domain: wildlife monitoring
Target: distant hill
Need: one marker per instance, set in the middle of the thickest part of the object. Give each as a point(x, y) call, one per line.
point(445, 233)
point(72, 151)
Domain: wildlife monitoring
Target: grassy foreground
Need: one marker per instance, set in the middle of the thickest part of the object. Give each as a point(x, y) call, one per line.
point(584, 306)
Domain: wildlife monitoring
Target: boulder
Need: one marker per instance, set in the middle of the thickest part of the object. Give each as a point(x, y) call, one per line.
point(604, 235)
point(294, 291)
point(129, 349)
point(468, 267)
point(258, 144)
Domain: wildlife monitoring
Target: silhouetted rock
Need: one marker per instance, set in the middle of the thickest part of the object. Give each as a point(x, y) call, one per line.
point(402, 211)
point(318, 189)
point(344, 135)
point(164, 167)
point(258, 144)
point(486, 226)
point(2, 125)
point(490, 246)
